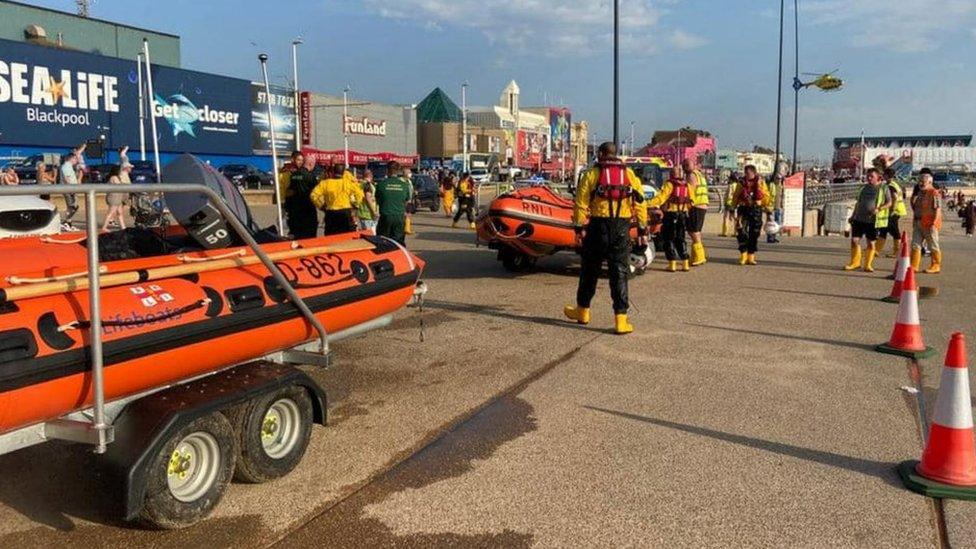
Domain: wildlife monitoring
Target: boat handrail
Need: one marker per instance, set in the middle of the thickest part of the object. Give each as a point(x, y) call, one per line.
point(99, 432)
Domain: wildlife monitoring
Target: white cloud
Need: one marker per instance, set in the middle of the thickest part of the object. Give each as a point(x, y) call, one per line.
point(907, 26)
point(549, 27)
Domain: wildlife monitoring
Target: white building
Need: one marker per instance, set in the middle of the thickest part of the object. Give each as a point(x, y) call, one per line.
point(954, 153)
point(529, 143)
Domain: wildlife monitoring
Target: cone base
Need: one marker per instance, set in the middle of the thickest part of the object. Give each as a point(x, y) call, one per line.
point(889, 350)
point(890, 277)
point(891, 299)
point(931, 488)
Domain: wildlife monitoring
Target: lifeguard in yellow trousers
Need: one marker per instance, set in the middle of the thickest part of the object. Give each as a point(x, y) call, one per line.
point(675, 198)
point(751, 200)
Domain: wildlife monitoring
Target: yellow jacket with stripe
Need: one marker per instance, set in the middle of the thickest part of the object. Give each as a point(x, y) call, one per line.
point(663, 199)
point(337, 194)
point(699, 191)
point(587, 203)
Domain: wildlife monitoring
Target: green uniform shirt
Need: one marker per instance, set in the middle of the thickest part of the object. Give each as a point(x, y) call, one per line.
point(392, 195)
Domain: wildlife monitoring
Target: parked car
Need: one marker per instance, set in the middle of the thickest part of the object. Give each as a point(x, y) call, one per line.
point(99, 173)
point(426, 192)
point(143, 171)
point(480, 175)
point(245, 176)
point(22, 216)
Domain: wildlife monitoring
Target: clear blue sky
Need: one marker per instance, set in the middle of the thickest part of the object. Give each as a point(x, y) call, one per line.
point(909, 65)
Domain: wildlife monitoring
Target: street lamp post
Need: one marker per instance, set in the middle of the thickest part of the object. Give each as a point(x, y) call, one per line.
point(294, 69)
point(616, 71)
point(263, 58)
point(630, 149)
point(345, 126)
point(464, 127)
point(779, 92)
point(142, 111)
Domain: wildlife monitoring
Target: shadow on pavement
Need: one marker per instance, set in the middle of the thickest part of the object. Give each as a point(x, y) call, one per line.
point(878, 469)
point(498, 312)
point(814, 294)
point(838, 343)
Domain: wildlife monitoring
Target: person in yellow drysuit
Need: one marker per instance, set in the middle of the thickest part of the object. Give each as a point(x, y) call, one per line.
point(728, 216)
point(609, 197)
point(335, 196)
point(750, 201)
point(696, 216)
point(447, 193)
point(465, 194)
point(675, 199)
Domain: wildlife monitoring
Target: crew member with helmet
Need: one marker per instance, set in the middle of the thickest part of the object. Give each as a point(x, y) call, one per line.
point(611, 196)
point(696, 216)
point(898, 211)
point(465, 196)
point(870, 214)
point(296, 185)
point(335, 195)
point(675, 199)
point(750, 201)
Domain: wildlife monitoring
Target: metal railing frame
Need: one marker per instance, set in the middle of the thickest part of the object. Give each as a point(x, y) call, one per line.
point(102, 429)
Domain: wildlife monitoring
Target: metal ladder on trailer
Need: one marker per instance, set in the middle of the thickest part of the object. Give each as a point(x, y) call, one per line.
point(96, 428)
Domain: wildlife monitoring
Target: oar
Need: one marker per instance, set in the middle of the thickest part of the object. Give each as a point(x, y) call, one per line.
point(159, 273)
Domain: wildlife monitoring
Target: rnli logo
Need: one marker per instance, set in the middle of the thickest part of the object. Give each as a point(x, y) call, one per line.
point(152, 295)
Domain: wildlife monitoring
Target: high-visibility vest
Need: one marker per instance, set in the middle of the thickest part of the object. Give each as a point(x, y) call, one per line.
point(881, 215)
point(899, 208)
point(701, 190)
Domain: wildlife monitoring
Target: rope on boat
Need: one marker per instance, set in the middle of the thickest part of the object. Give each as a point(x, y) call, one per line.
point(190, 259)
point(50, 240)
point(15, 280)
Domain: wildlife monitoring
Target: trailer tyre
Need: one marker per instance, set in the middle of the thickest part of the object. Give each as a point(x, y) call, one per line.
point(190, 473)
point(514, 261)
point(272, 432)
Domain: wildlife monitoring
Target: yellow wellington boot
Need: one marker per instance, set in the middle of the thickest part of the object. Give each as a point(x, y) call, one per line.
point(622, 326)
point(473, 226)
point(686, 265)
point(936, 266)
point(751, 260)
point(454, 225)
point(916, 258)
point(855, 258)
point(725, 227)
point(698, 254)
point(869, 261)
point(408, 226)
point(672, 266)
point(580, 314)
point(743, 258)
point(879, 245)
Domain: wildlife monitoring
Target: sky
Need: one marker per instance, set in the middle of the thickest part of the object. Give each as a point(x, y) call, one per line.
point(909, 66)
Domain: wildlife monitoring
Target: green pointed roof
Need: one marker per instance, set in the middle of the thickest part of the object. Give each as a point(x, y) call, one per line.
point(438, 107)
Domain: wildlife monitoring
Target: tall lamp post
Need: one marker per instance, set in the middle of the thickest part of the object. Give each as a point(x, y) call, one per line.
point(294, 70)
point(263, 58)
point(616, 71)
point(779, 92)
point(464, 127)
point(345, 126)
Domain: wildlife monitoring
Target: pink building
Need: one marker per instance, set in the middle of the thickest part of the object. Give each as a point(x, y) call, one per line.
point(674, 146)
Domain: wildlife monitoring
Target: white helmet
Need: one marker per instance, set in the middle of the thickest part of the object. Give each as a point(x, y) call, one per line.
point(639, 262)
point(772, 227)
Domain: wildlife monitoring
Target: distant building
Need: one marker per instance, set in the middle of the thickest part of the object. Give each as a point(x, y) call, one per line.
point(439, 131)
point(953, 153)
point(732, 160)
point(527, 134)
point(674, 146)
point(57, 29)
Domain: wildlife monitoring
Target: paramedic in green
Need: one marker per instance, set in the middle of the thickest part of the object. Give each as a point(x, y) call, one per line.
point(392, 195)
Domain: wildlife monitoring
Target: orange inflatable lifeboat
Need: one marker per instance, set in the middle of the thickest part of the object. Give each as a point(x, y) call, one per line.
point(528, 223)
point(158, 329)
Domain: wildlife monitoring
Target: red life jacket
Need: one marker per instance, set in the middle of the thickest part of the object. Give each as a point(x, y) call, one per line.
point(679, 193)
point(613, 184)
point(752, 193)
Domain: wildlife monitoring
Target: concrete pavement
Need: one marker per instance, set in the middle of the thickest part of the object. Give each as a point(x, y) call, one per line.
point(748, 409)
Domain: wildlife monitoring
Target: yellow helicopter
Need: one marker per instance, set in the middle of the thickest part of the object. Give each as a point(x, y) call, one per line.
point(825, 82)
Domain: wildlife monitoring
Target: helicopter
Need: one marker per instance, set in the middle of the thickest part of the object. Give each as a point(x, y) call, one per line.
point(825, 82)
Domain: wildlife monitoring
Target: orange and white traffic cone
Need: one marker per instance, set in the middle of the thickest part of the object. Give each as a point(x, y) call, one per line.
point(906, 338)
point(901, 267)
point(948, 466)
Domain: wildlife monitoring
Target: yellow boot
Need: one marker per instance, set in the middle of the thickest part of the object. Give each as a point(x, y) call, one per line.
point(916, 258)
point(580, 314)
point(879, 244)
point(743, 258)
point(698, 254)
point(725, 227)
point(686, 265)
point(869, 262)
point(936, 266)
point(895, 248)
point(407, 226)
point(672, 266)
point(622, 326)
point(473, 226)
point(855, 258)
point(454, 224)
point(751, 260)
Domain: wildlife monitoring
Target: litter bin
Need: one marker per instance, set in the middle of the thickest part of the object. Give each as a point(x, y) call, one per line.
point(837, 218)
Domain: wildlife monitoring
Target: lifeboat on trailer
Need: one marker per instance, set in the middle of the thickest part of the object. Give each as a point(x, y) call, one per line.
point(531, 222)
point(176, 316)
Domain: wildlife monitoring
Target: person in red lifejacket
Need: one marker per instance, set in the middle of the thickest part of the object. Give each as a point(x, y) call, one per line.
point(750, 201)
point(609, 197)
point(675, 198)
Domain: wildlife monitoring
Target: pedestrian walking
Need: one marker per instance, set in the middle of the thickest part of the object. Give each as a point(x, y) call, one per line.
point(296, 185)
point(696, 216)
point(408, 221)
point(10, 176)
point(366, 209)
point(898, 210)
point(46, 176)
point(335, 196)
point(115, 201)
point(927, 208)
point(870, 214)
point(69, 176)
point(969, 217)
point(728, 216)
point(465, 196)
point(611, 196)
point(751, 201)
point(447, 193)
point(392, 196)
point(675, 199)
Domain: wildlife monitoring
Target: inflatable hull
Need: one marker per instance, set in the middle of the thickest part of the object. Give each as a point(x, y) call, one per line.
point(159, 332)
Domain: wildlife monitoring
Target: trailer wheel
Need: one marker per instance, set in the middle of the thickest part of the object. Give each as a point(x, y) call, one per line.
point(190, 473)
point(272, 434)
point(514, 260)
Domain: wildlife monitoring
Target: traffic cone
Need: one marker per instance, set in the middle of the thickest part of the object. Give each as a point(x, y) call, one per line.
point(901, 267)
point(948, 466)
point(902, 254)
point(906, 338)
